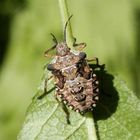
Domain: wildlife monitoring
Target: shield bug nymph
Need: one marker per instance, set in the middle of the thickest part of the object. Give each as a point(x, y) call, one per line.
point(76, 85)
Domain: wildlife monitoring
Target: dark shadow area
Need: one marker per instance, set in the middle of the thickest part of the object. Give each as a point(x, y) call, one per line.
point(108, 102)
point(5, 21)
point(108, 98)
point(7, 9)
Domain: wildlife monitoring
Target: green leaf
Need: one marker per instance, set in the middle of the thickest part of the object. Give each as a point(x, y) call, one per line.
point(45, 119)
point(116, 116)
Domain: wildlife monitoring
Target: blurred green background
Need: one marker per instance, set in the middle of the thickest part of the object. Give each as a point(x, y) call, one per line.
point(111, 29)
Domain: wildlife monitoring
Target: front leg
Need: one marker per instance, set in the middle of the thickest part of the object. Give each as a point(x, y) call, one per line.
point(78, 46)
point(46, 53)
point(52, 48)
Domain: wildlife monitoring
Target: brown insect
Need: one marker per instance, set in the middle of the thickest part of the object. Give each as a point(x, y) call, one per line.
point(76, 84)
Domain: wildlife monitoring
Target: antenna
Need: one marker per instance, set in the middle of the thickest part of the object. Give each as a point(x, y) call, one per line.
point(66, 27)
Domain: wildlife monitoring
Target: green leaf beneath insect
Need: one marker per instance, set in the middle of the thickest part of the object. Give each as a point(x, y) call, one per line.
point(117, 116)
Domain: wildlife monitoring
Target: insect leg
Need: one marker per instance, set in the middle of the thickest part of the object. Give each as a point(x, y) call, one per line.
point(48, 50)
point(53, 47)
point(78, 46)
point(45, 87)
point(46, 81)
point(94, 59)
point(66, 112)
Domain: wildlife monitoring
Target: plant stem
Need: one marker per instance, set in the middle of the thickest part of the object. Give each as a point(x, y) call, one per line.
point(64, 17)
point(90, 126)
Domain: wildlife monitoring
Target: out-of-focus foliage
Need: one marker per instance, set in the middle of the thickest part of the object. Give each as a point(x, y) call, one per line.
point(111, 30)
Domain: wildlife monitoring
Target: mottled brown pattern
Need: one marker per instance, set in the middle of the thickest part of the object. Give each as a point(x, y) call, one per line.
point(65, 61)
point(87, 102)
point(76, 83)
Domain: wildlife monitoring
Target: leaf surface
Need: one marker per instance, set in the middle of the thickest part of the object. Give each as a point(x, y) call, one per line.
point(117, 116)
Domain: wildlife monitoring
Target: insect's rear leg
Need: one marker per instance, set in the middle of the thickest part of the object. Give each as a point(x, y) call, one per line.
point(78, 46)
point(64, 109)
point(45, 87)
point(66, 112)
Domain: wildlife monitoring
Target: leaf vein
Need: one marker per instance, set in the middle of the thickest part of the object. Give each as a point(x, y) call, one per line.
point(107, 110)
point(46, 121)
point(83, 120)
